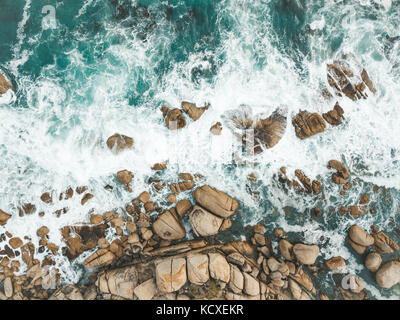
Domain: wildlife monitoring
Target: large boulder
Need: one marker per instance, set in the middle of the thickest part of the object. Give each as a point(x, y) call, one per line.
point(169, 227)
point(219, 267)
point(306, 254)
point(336, 263)
point(307, 124)
point(236, 282)
point(5, 84)
point(4, 217)
point(119, 282)
point(197, 268)
point(193, 111)
point(389, 274)
point(215, 201)
point(373, 261)
point(119, 142)
point(204, 223)
point(171, 275)
point(99, 258)
point(360, 236)
point(146, 290)
point(174, 118)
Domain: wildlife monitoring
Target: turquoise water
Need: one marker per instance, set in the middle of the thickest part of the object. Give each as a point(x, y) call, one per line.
point(109, 65)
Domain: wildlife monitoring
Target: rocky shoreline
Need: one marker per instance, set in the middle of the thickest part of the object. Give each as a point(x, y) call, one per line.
point(150, 256)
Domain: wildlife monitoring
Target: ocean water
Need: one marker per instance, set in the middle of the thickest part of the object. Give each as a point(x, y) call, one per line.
point(109, 65)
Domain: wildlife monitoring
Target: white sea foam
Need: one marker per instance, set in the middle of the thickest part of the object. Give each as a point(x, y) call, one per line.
point(59, 140)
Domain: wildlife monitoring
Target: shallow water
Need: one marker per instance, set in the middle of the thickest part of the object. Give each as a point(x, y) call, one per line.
point(109, 65)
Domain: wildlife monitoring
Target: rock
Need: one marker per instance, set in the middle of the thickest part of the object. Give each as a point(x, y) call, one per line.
point(335, 263)
point(15, 242)
point(99, 258)
point(389, 274)
point(197, 269)
point(119, 282)
point(258, 228)
point(149, 206)
point(269, 131)
point(216, 129)
point(347, 76)
point(364, 199)
point(146, 290)
point(305, 181)
point(144, 197)
point(8, 287)
point(236, 258)
point(226, 224)
point(203, 222)
point(219, 267)
point(183, 207)
point(316, 186)
point(306, 254)
point(46, 197)
point(42, 231)
point(360, 236)
point(69, 292)
point(339, 167)
point(338, 179)
point(358, 248)
point(295, 289)
point(124, 176)
point(5, 84)
point(171, 275)
point(168, 227)
point(4, 217)
point(383, 243)
point(171, 198)
point(251, 285)
point(96, 218)
point(194, 112)
point(373, 261)
point(308, 124)
point(159, 166)
point(215, 201)
point(174, 118)
point(286, 249)
point(236, 281)
point(118, 142)
point(86, 198)
point(27, 208)
point(335, 116)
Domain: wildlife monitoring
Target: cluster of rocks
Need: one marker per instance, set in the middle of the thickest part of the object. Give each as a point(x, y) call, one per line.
point(376, 244)
point(175, 119)
point(347, 76)
point(305, 184)
point(307, 124)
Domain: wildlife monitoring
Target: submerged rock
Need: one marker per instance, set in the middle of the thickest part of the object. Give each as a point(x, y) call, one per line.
point(216, 129)
point(346, 76)
point(260, 132)
point(389, 274)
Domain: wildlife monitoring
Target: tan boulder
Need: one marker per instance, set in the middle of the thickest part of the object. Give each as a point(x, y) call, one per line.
point(4, 217)
point(8, 287)
point(183, 207)
point(306, 254)
point(216, 129)
point(236, 282)
point(5, 84)
point(335, 116)
point(197, 268)
point(360, 236)
point(124, 176)
point(99, 258)
point(203, 222)
point(119, 142)
point(373, 261)
point(307, 124)
point(193, 111)
point(389, 274)
point(384, 244)
point(339, 167)
point(146, 290)
point(357, 247)
point(15, 242)
point(219, 267)
point(171, 274)
point(251, 285)
point(119, 282)
point(335, 263)
point(174, 118)
point(215, 201)
point(286, 249)
point(168, 227)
